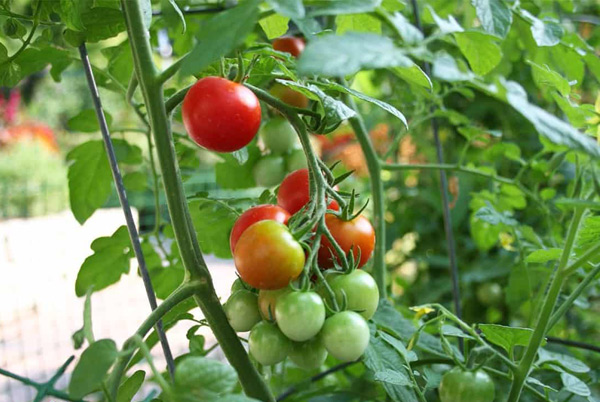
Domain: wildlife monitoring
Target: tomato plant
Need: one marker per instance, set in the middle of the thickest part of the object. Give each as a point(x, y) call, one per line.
point(461, 386)
point(456, 152)
point(221, 115)
point(267, 256)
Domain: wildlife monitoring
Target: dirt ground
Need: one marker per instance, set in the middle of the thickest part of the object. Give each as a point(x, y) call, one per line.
point(39, 261)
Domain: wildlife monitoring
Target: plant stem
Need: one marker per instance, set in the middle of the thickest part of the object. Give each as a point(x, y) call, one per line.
point(374, 169)
point(590, 276)
point(185, 234)
point(522, 371)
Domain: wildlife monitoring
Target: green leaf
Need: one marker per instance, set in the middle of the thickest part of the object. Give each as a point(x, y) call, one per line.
point(13, 28)
point(574, 385)
point(380, 357)
point(89, 179)
point(92, 367)
point(480, 50)
point(535, 381)
point(543, 256)
point(274, 25)
point(102, 23)
point(288, 8)
point(546, 77)
point(335, 7)
point(213, 221)
point(220, 35)
point(495, 16)
point(446, 26)
point(333, 55)
point(130, 386)
point(445, 68)
point(70, 13)
point(392, 377)
point(135, 181)
point(230, 174)
point(490, 215)
point(10, 74)
point(110, 260)
point(407, 356)
point(410, 34)
point(204, 378)
point(335, 111)
point(548, 125)
point(385, 106)
point(506, 337)
point(545, 33)
point(172, 13)
point(449, 330)
point(357, 23)
point(413, 75)
point(568, 362)
point(87, 122)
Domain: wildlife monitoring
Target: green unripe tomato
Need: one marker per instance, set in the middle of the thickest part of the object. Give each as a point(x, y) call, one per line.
point(346, 335)
point(237, 285)
point(296, 160)
point(360, 289)
point(279, 135)
point(269, 171)
point(309, 355)
point(267, 300)
point(466, 386)
point(490, 294)
point(242, 310)
point(300, 315)
point(267, 344)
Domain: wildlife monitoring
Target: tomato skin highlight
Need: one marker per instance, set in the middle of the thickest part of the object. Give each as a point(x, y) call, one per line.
point(466, 386)
point(355, 234)
point(221, 115)
point(289, 44)
point(309, 355)
point(242, 310)
point(267, 256)
point(294, 192)
point(360, 290)
point(346, 335)
point(490, 294)
point(253, 215)
point(300, 315)
point(267, 344)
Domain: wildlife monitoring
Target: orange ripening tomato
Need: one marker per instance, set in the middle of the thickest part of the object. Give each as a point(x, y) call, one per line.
point(289, 96)
point(357, 234)
point(289, 44)
point(221, 115)
point(267, 256)
point(253, 215)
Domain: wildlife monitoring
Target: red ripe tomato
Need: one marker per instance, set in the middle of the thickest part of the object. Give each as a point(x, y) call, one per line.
point(253, 215)
point(294, 191)
point(289, 44)
point(221, 115)
point(267, 256)
point(356, 234)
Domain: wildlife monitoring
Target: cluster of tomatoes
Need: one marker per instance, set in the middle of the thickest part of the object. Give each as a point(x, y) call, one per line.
point(286, 322)
point(306, 324)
